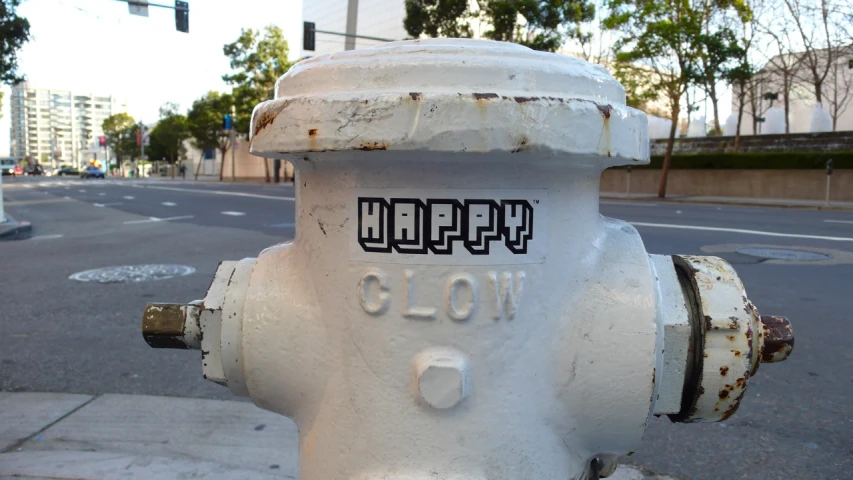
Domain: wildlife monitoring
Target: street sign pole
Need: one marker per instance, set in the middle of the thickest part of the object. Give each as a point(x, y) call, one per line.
point(233, 143)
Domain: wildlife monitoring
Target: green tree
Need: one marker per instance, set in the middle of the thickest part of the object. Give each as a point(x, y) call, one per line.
point(719, 53)
point(661, 43)
point(539, 24)
point(205, 124)
point(14, 32)
point(257, 60)
point(438, 18)
point(120, 130)
point(168, 135)
point(718, 46)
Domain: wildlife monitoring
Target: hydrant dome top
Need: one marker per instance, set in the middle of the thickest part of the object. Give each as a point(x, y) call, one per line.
point(452, 64)
point(450, 95)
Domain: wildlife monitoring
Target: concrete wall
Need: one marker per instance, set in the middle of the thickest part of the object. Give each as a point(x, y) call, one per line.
point(783, 184)
point(247, 167)
point(798, 142)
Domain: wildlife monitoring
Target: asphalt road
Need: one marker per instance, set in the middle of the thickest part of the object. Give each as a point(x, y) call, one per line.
point(796, 420)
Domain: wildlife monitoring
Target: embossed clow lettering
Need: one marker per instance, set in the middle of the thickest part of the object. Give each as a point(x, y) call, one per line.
point(460, 298)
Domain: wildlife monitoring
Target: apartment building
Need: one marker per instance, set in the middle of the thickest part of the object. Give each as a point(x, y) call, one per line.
point(57, 126)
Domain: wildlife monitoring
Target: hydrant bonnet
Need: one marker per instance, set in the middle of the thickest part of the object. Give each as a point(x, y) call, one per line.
point(451, 95)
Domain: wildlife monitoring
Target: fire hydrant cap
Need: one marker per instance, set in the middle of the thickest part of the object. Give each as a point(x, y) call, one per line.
point(451, 95)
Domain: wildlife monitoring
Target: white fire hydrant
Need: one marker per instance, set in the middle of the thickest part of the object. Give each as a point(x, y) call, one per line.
point(453, 305)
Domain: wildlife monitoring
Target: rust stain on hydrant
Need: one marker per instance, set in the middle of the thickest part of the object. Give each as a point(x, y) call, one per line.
point(778, 338)
point(605, 110)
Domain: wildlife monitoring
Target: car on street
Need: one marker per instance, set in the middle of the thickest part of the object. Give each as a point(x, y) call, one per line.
point(92, 172)
point(67, 171)
point(34, 170)
point(7, 166)
point(17, 170)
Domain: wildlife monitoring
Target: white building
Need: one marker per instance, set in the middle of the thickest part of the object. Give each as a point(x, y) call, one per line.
point(58, 125)
point(837, 92)
point(374, 18)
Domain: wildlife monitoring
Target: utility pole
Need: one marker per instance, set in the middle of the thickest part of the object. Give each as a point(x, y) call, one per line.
point(142, 146)
point(352, 24)
point(233, 142)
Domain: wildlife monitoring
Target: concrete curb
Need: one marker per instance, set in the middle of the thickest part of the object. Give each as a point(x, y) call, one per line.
point(740, 202)
point(12, 229)
point(58, 435)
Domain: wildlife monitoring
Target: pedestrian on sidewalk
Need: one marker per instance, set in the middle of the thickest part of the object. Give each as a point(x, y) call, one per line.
point(183, 171)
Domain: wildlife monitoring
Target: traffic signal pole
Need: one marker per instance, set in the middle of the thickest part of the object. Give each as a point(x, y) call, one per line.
point(181, 8)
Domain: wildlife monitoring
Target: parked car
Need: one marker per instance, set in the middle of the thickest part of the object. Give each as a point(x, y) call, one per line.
point(17, 171)
point(68, 171)
point(92, 172)
point(7, 166)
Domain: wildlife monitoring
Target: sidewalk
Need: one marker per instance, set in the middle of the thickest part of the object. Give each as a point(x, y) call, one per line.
point(12, 229)
point(109, 437)
point(745, 201)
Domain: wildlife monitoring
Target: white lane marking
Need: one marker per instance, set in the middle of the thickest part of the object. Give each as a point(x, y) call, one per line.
point(678, 212)
point(838, 221)
point(128, 197)
point(101, 194)
point(67, 198)
point(156, 219)
point(168, 204)
point(47, 237)
point(631, 204)
point(222, 192)
point(107, 204)
point(82, 191)
point(739, 230)
point(233, 214)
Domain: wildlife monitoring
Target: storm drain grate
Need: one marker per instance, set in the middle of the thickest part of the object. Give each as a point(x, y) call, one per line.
point(784, 254)
point(132, 273)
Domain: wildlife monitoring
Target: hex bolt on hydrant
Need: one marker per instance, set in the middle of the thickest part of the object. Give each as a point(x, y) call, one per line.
point(453, 305)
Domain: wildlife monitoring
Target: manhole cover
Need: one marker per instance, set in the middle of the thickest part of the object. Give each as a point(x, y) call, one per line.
point(132, 273)
point(784, 254)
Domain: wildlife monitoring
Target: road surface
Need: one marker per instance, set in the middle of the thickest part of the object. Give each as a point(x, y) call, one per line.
point(796, 420)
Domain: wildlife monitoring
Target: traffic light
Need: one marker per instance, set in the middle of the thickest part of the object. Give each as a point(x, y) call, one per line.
point(182, 16)
point(308, 34)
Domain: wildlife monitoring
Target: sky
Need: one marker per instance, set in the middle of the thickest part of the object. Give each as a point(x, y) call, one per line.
point(96, 46)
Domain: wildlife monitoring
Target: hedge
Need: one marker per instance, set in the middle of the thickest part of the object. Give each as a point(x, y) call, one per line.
point(762, 160)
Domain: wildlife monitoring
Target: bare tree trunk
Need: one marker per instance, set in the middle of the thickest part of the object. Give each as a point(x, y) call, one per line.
point(668, 156)
point(714, 100)
point(786, 98)
point(222, 163)
point(267, 169)
point(200, 160)
point(739, 120)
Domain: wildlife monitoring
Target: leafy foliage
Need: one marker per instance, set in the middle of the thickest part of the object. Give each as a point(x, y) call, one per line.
point(539, 24)
point(257, 60)
point(120, 130)
point(14, 32)
point(205, 123)
point(167, 137)
point(438, 18)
